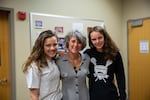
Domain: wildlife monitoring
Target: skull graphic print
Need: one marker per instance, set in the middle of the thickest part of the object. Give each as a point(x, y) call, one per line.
point(100, 71)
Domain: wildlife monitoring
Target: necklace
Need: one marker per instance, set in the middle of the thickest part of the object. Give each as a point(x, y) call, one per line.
point(75, 61)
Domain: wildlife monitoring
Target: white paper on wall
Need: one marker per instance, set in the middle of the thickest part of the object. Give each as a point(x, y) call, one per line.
point(78, 27)
point(144, 46)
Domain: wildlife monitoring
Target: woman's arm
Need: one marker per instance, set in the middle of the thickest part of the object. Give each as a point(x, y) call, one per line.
point(120, 75)
point(34, 93)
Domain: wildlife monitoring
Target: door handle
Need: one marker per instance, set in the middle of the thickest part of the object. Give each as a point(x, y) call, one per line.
point(4, 80)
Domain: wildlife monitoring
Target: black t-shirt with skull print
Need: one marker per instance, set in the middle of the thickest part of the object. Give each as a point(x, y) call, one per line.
point(101, 78)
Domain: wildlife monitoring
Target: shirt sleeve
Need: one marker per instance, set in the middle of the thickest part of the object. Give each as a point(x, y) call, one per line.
point(120, 76)
point(33, 77)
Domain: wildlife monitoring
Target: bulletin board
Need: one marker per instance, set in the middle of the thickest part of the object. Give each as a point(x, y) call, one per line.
point(61, 25)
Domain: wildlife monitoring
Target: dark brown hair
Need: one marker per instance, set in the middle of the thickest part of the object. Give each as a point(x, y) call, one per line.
point(110, 49)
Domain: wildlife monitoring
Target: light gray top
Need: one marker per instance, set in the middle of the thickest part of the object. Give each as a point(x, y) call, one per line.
point(74, 85)
point(47, 81)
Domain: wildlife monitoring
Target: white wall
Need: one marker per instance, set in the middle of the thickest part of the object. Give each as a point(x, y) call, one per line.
point(115, 14)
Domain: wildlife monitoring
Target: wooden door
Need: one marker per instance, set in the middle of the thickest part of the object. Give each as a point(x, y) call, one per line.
point(4, 57)
point(139, 60)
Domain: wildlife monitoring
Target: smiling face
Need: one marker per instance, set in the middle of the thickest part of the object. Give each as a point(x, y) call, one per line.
point(50, 47)
point(74, 46)
point(97, 40)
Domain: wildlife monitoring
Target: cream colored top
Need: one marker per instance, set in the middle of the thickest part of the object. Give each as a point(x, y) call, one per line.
point(48, 81)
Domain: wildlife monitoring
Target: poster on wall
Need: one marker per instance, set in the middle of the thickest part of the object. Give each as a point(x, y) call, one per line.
point(77, 27)
point(89, 29)
point(61, 44)
point(38, 24)
point(59, 29)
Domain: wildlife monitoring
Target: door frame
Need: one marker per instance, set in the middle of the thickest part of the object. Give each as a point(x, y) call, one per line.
point(11, 51)
point(130, 20)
